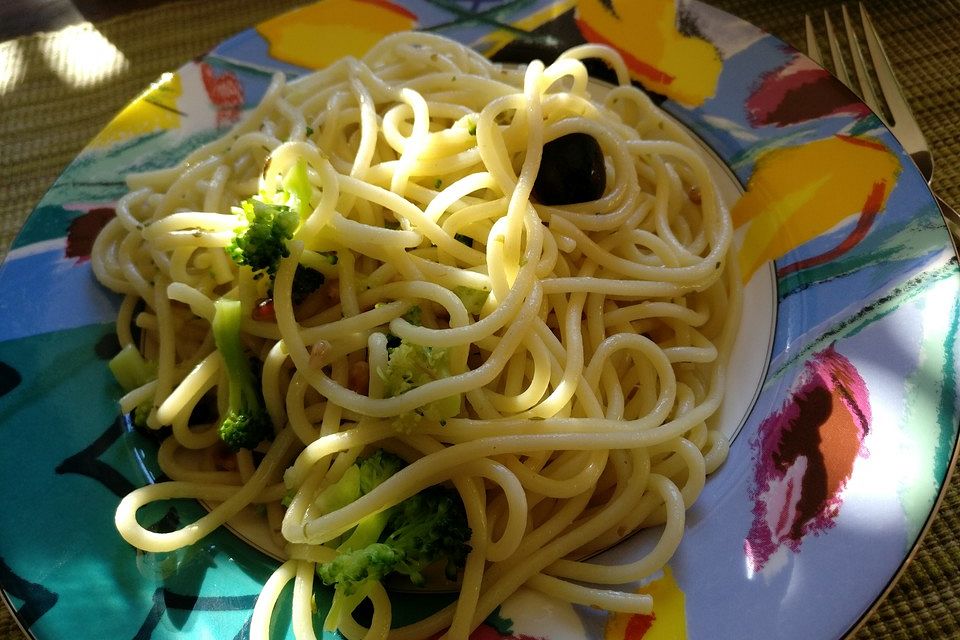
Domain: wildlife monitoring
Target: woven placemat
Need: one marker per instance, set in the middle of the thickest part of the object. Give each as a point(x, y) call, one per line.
point(45, 121)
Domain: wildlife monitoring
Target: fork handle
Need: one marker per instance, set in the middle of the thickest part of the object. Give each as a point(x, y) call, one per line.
point(924, 161)
point(952, 220)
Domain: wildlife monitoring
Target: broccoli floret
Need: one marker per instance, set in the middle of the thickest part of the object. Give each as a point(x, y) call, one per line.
point(359, 479)
point(472, 299)
point(132, 371)
point(426, 528)
point(376, 468)
point(306, 280)
point(414, 315)
point(262, 241)
point(269, 221)
point(247, 422)
point(352, 570)
point(410, 366)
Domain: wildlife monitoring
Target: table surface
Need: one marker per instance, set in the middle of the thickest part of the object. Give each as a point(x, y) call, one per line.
point(44, 124)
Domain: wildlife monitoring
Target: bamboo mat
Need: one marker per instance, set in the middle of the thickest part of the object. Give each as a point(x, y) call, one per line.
point(44, 122)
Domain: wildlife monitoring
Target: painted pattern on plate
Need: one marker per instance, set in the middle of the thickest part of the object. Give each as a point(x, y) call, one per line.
point(834, 474)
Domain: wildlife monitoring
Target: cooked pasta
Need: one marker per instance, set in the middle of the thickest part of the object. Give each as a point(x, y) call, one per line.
point(579, 344)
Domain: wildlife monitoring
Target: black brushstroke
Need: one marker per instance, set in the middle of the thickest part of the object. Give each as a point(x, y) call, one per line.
point(87, 463)
point(545, 43)
point(549, 40)
point(492, 17)
point(608, 5)
point(166, 601)
point(688, 25)
point(94, 183)
point(165, 107)
point(10, 378)
point(244, 632)
point(107, 346)
point(37, 599)
point(154, 436)
point(905, 290)
point(167, 523)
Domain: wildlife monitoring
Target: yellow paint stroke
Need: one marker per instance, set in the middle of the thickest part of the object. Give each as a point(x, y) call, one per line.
point(669, 619)
point(798, 193)
point(318, 35)
point(154, 110)
point(684, 68)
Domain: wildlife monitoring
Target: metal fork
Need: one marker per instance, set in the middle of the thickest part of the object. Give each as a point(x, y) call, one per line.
point(894, 110)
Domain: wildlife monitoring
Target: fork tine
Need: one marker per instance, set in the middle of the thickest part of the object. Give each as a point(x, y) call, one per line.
point(813, 49)
point(839, 67)
point(898, 116)
point(903, 122)
point(881, 64)
point(860, 66)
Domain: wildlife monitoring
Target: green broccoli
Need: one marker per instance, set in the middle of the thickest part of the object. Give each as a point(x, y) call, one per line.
point(376, 468)
point(428, 527)
point(424, 529)
point(410, 366)
point(132, 371)
point(414, 315)
point(359, 479)
point(262, 241)
point(247, 422)
point(306, 280)
point(373, 470)
point(472, 299)
point(297, 184)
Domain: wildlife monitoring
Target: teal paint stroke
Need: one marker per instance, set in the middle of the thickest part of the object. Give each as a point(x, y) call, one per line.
point(930, 412)
point(883, 245)
point(61, 532)
point(860, 317)
point(96, 177)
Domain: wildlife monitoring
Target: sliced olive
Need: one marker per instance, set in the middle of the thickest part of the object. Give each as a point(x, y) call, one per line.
point(571, 170)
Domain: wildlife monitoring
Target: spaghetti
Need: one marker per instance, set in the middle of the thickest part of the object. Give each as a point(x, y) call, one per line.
point(583, 343)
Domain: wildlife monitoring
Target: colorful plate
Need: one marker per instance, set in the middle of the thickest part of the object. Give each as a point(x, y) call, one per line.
point(844, 389)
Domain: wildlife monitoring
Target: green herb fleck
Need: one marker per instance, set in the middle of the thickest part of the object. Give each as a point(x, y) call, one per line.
point(414, 315)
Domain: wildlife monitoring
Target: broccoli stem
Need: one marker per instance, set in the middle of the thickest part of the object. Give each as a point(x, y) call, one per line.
point(342, 605)
point(297, 184)
point(247, 422)
point(131, 369)
point(426, 528)
point(366, 532)
point(226, 334)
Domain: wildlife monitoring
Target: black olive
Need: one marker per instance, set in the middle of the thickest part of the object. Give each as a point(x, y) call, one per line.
point(571, 170)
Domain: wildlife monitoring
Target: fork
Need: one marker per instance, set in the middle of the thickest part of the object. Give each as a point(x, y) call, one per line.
point(894, 110)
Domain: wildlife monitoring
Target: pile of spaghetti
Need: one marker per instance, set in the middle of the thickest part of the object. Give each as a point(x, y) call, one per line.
point(482, 281)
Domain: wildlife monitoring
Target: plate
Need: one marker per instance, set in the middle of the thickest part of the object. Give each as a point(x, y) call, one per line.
point(844, 390)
